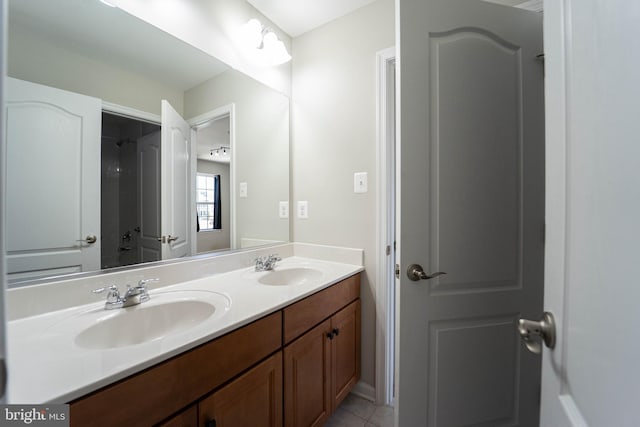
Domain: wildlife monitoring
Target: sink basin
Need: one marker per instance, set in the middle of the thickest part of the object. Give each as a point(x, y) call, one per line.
point(166, 313)
point(290, 276)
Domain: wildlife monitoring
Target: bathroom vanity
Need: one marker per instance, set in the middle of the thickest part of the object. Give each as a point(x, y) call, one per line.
point(281, 348)
point(307, 353)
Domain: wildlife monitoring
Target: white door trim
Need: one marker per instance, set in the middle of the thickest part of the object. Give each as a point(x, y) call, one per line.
point(195, 123)
point(121, 110)
point(385, 224)
point(3, 285)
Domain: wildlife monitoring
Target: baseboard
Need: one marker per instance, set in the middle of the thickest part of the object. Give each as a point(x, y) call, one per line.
point(365, 391)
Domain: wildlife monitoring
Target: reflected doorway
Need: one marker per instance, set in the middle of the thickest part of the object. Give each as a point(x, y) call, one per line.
point(213, 178)
point(122, 168)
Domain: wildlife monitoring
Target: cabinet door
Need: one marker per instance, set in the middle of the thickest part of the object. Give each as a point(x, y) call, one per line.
point(345, 351)
point(307, 378)
point(186, 418)
point(252, 400)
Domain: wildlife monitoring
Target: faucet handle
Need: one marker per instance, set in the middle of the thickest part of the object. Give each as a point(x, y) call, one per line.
point(112, 296)
point(141, 288)
point(112, 288)
point(143, 282)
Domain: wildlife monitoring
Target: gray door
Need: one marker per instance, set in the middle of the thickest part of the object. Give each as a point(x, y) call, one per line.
point(471, 205)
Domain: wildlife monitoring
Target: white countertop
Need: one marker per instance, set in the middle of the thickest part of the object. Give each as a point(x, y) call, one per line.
point(47, 366)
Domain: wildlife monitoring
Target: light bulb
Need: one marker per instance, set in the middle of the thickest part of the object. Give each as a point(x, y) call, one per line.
point(275, 50)
point(252, 33)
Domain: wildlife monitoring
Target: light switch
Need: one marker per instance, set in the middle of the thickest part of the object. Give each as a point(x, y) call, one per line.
point(284, 210)
point(303, 210)
point(243, 189)
point(360, 182)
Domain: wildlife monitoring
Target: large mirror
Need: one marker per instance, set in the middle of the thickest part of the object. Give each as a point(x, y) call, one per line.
point(126, 145)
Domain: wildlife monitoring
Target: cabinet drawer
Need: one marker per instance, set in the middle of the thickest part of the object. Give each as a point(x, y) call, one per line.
point(252, 400)
point(152, 395)
point(305, 314)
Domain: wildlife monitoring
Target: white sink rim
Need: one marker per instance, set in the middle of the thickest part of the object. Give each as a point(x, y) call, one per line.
point(80, 326)
point(291, 276)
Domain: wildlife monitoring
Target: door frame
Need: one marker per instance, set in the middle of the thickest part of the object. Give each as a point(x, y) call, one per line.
point(121, 110)
point(3, 158)
point(385, 226)
point(195, 123)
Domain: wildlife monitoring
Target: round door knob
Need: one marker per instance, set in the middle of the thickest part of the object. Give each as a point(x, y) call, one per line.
point(534, 333)
point(90, 239)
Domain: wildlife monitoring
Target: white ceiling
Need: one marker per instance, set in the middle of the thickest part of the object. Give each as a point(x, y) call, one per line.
point(214, 135)
point(296, 17)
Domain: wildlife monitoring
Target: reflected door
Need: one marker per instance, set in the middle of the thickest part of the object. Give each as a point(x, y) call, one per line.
point(53, 181)
point(149, 210)
point(175, 184)
point(472, 205)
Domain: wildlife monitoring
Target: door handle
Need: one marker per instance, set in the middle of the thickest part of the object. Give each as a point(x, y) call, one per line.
point(415, 273)
point(534, 333)
point(90, 239)
point(171, 238)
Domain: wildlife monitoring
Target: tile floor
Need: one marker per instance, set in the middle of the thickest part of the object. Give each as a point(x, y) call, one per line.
point(358, 412)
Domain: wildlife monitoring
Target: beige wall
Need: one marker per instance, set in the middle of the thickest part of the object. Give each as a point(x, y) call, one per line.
point(37, 60)
point(334, 135)
point(261, 153)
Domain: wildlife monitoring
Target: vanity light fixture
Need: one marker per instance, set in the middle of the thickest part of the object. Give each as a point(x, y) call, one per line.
point(263, 44)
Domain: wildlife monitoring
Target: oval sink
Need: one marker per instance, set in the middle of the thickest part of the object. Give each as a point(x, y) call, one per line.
point(290, 276)
point(166, 313)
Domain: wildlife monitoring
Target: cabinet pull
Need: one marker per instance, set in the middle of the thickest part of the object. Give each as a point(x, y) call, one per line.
point(210, 423)
point(329, 335)
point(336, 332)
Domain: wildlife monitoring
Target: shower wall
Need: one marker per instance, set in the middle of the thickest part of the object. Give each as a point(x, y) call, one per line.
point(119, 207)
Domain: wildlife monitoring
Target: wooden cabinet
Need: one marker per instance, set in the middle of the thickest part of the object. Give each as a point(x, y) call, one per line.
point(151, 396)
point(307, 373)
point(246, 377)
point(322, 365)
point(252, 400)
point(345, 352)
point(186, 418)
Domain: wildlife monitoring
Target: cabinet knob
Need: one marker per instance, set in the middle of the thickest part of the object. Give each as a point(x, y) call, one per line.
point(330, 335)
point(336, 332)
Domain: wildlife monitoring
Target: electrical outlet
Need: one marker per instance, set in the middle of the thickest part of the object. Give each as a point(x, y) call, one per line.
point(243, 189)
point(303, 210)
point(284, 210)
point(360, 184)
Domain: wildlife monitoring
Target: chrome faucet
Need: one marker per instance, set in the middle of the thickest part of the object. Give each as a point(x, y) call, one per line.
point(133, 296)
point(266, 263)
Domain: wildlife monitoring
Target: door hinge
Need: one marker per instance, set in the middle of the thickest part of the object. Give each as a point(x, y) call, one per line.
point(388, 252)
point(397, 271)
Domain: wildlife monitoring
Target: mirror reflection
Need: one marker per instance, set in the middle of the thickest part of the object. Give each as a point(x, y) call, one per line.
point(126, 145)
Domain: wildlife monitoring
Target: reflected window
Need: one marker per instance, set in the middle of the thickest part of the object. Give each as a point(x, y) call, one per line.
point(208, 202)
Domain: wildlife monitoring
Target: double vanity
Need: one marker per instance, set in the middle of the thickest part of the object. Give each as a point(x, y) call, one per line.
point(215, 342)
